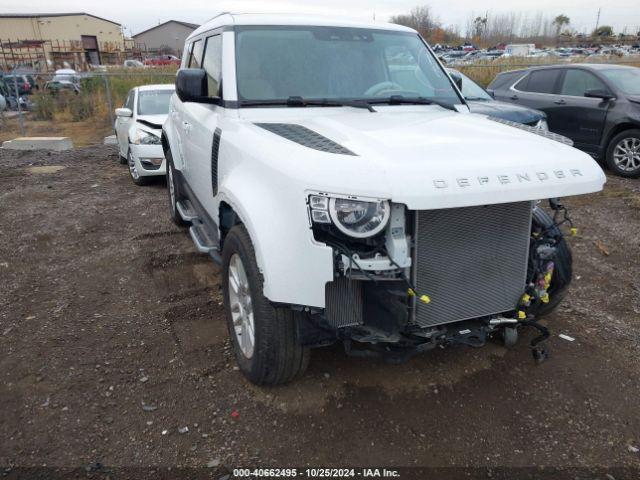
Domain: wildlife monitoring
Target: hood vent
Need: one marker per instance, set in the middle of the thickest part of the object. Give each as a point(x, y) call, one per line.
point(305, 137)
point(537, 131)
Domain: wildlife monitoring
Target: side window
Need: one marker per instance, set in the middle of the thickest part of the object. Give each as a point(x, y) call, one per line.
point(539, 81)
point(186, 55)
point(212, 64)
point(130, 98)
point(576, 82)
point(195, 60)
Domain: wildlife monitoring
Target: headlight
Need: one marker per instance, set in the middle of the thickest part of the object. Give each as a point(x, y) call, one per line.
point(142, 137)
point(355, 218)
point(542, 125)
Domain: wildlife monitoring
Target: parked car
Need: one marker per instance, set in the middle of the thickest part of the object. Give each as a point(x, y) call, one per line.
point(3, 103)
point(138, 129)
point(133, 64)
point(64, 80)
point(162, 60)
point(351, 198)
point(479, 101)
point(596, 105)
point(24, 87)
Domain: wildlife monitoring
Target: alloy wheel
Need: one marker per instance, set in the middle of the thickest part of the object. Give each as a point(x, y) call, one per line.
point(172, 188)
point(132, 167)
point(626, 154)
point(241, 306)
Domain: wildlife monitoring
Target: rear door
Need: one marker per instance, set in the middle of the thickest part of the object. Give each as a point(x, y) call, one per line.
point(539, 90)
point(580, 118)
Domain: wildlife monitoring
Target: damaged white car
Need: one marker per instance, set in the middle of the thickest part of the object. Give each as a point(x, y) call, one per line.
point(335, 172)
point(138, 129)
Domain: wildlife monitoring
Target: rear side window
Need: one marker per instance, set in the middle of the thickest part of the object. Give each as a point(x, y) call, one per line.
point(212, 64)
point(130, 99)
point(505, 80)
point(539, 81)
point(576, 82)
point(195, 60)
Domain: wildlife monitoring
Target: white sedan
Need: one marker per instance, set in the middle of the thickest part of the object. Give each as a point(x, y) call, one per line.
point(138, 129)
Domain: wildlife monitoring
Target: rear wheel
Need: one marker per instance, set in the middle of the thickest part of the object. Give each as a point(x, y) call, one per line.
point(265, 338)
point(563, 272)
point(623, 154)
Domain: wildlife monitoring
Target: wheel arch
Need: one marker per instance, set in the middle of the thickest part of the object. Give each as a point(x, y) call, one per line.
point(616, 130)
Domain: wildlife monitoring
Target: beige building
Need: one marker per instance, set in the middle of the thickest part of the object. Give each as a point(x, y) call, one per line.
point(55, 38)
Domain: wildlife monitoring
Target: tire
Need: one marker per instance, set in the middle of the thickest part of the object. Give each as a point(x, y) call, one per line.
point(135, 177)
point(173, 189)
point(123, 160)
point(277, 356)
point(623, 154)
point(563, 273)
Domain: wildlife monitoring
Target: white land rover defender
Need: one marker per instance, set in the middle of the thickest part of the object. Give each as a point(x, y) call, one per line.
point(335, 172)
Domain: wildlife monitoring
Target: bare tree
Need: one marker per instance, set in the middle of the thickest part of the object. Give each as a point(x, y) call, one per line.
point(420, 19)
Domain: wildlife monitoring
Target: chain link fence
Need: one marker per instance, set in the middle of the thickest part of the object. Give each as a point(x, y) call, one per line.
point(88, 111)
point(49, 107)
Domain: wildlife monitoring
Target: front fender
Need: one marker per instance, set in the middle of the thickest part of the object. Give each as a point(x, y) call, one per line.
point(171, 141)
point(294, 267)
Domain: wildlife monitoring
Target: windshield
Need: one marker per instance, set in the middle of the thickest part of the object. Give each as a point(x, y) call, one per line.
point(336, 63)
point(154, 102)
point(470, 89)
point(625, 79)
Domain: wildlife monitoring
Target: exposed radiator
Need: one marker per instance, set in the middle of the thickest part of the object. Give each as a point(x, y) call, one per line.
point(344, 303)
point(472, 262)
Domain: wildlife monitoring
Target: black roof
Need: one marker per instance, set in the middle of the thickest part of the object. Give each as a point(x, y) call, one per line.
point(41, 15)
point(192, 26)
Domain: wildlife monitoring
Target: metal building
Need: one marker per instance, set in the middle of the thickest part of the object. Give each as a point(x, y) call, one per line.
point(166, 38)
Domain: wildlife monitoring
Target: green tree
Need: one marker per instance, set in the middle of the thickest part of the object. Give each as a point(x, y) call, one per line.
point(559, 22)
point(603, 31)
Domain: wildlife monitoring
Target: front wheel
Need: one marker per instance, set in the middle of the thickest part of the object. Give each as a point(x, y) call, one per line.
point(563, 272)
point(623, 154)
point(264, 337)
point(173, 189)
point(133, 171)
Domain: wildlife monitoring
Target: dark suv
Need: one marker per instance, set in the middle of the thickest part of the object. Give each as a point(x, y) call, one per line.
point(596, 105)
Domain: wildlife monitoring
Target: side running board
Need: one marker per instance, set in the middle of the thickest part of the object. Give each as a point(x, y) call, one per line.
point(186, 211)
point(203, 242)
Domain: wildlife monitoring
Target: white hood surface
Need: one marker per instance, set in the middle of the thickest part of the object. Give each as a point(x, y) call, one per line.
point(427, 157)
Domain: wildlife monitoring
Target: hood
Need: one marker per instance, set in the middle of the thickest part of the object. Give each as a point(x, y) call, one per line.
point(152, 121)
point(634, 98)
point(423, 156)
point(507, 111)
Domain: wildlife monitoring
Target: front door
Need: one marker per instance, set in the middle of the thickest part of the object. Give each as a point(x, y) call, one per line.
point(123, 124)
point(580, 118)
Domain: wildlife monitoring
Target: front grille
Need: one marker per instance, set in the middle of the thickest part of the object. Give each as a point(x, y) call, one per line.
point(472, 262)
point(344, 304)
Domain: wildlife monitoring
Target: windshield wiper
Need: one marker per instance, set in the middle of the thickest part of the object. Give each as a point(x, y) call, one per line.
point(303, 102)
point(401, 100)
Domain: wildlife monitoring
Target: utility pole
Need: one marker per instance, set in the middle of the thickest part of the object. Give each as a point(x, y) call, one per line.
point(598, 19)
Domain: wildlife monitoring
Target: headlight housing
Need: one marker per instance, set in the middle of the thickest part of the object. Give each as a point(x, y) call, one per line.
point(142, 137)
point(354, 218)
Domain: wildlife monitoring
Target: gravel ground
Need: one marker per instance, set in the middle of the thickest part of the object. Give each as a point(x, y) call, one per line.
point(114, 351)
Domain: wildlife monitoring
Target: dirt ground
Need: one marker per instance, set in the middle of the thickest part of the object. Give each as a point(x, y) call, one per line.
point(112, 341)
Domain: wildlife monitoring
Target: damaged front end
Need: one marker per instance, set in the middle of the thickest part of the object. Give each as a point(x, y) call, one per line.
point(436, 277)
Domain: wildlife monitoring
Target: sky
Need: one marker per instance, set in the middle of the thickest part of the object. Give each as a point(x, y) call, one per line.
point(138, 15)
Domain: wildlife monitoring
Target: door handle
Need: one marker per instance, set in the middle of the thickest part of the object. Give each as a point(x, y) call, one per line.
point(186, 126)
point(560, 102)
point(514, 97)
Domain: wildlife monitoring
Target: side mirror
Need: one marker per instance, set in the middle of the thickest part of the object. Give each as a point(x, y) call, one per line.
point(492, 93)
point(191, 86)
point(124, 112)
point(598, 93)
